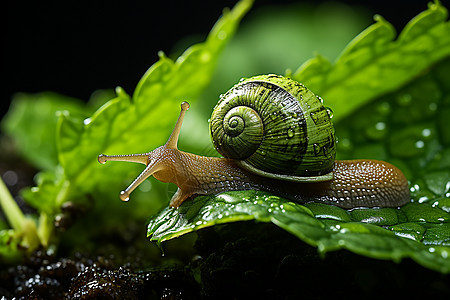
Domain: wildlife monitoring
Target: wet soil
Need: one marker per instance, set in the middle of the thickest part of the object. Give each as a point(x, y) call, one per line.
point(235, 261)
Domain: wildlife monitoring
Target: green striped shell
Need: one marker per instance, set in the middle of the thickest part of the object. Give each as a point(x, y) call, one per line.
point(275, 127)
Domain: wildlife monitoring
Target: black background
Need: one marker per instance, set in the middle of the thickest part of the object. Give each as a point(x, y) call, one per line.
point(75, 48)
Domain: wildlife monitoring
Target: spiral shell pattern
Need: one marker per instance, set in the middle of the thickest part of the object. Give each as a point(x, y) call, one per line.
point(275, 125)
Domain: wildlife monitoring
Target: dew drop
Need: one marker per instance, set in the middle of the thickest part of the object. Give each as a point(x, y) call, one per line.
point(380, 126)
point(423, 199)
point(330, 112)
point(426, 132)
point(290, 132)
point(222, 35)
point(420, 144)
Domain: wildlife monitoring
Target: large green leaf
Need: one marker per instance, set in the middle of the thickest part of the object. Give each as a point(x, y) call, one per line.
point(367, 232)
point(376, 62)
point(32, 120)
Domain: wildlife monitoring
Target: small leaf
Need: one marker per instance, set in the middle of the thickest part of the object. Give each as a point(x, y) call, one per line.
point(10, 251)
point(45, 196)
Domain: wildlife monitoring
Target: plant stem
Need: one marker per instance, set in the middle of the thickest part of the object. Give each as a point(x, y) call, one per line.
point(45, 228)
point(12, 211)
point(18, 221)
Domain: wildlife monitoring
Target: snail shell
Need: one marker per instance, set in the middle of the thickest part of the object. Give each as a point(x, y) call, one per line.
point(275, 127)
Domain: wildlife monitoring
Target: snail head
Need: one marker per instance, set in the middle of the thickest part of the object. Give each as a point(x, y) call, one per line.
point(158, 162)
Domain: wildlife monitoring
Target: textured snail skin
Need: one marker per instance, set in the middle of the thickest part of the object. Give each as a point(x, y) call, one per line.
point(360, 183)
point(356, 183)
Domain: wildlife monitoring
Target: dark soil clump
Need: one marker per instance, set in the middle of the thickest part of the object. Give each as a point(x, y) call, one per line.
point(244, 260)
point(43, 277)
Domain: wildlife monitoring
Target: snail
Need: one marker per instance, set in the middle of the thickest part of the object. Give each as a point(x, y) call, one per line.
point(276, 136)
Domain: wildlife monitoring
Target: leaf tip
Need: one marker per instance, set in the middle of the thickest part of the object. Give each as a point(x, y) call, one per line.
point(434, 5)
point(120, 92)
point(379, 18)
point(161, 54)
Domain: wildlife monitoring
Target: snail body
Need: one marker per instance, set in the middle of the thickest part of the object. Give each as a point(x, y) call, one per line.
point(275, 135)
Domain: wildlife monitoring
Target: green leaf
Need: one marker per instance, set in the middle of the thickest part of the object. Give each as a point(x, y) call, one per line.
point(31, 121)
point(375, 63)
point(352, 231)
point(45, 197)
point(9, 247)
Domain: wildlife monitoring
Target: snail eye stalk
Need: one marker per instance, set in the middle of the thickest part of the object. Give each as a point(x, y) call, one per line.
point(172, 143)
point(153, 165)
